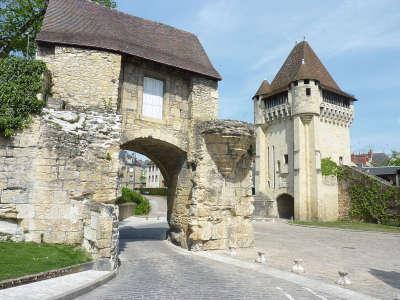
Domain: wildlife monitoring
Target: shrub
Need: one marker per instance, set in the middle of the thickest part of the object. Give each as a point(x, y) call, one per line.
point(329, 167)
point(143, 205)
point(20, 82)
point(127, 195)
point(154, 191)
point(143, 208)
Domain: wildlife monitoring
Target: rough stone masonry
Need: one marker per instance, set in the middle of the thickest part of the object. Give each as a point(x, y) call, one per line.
point(59, 177)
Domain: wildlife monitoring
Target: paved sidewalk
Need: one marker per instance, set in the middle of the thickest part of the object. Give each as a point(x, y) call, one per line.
point(371, 258)
point(52, 288)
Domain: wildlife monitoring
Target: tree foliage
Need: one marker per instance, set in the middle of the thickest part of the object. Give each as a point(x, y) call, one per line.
point(329, 167)
point(394, 159)
point(20, 22)
point(20, 82)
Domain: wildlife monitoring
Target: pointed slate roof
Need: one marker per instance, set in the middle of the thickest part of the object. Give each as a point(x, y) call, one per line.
point(265, 88)
point(87, 24)
point(303, 63)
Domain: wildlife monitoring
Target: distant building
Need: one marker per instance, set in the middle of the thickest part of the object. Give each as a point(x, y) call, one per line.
point(390, 173)
point(369, 159)
point(132, 173)
point(154, 178)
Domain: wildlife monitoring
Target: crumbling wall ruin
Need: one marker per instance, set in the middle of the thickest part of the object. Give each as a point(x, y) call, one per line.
point(58, 178)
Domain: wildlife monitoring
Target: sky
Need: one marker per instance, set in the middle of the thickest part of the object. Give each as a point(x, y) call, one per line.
point(358, 41)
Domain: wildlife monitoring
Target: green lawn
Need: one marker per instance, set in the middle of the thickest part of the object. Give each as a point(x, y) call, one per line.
point(350, 225)
point(19, 259)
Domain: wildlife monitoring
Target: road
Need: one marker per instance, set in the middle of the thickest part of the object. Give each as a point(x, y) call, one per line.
point(151, 268)
point(158, 206)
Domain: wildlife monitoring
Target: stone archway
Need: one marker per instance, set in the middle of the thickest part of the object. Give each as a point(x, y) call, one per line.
point(285, 205)
point(171, 161)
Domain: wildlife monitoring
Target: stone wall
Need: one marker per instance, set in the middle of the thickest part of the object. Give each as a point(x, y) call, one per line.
point(52, 172)
point(354, 177)
point(82, 78)
point(221, 204)
point(59, 177)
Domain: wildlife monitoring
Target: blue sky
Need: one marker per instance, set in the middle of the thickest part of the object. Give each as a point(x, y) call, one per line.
point(247, 41)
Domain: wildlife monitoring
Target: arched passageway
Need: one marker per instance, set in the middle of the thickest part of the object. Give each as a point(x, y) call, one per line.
point(171, 161)
point(285, 204)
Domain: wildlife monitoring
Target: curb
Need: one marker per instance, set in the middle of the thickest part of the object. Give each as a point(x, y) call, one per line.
point(79, 291)
point(346, 229)
point(10, 283)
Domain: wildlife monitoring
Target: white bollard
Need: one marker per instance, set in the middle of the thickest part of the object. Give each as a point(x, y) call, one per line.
point(343, 279)
point(232, 251)
point(273, 220)
point(261, 257)
point(298, 267)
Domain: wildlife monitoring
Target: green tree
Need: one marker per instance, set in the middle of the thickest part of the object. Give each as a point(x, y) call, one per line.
point(394, 159)
point(20, 22)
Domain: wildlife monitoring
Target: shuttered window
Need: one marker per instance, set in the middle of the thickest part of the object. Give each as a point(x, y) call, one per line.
point(153, 91)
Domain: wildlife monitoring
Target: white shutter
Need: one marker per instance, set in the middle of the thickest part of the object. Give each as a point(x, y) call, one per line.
point(153, 92)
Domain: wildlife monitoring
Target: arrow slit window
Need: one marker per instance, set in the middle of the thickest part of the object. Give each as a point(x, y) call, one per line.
point(153, 98)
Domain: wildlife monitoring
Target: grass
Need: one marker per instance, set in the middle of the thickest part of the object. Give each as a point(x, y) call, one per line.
point(19, 259)
point(350, 225)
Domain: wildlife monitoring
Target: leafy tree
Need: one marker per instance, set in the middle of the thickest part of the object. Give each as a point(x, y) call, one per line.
point(20, 21)
point(394, 159)
point(20, 82)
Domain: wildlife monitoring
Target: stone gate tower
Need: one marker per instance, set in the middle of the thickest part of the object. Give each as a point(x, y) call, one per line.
point(301, 117)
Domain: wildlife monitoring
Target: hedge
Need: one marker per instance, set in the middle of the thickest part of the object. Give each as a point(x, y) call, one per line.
point(154, 191)
point(143, 205)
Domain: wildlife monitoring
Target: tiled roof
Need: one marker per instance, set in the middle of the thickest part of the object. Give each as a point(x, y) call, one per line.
point(265, 88)
point(303, 63)
point(85, 23)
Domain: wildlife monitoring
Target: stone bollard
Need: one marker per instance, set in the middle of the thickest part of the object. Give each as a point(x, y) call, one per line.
point(232, 251)
point(343, 279)
point(298, 267)
point(273, 220)
point(261, 257)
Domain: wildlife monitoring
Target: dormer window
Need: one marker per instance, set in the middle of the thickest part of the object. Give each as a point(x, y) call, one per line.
point(295, 83)
point(308, 92)
point(306, 81)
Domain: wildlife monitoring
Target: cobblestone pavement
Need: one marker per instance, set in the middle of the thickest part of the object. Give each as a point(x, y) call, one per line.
point(372, 259)
point(152, 269)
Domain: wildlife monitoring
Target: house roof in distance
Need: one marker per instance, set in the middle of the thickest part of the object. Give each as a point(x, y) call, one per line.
point(87, 24)
point(303, 63)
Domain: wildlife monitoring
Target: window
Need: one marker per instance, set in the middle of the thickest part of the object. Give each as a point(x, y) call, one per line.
point(296, 83)
point(306, 81)
point(286, 158)
point(153, 93)
point(308, 92)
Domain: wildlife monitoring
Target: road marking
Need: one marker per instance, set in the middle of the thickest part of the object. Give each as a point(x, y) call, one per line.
point(286, 294)
point(314, 293)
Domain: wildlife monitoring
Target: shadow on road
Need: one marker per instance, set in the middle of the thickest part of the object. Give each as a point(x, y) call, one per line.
point(128, 234)
point(391, 278)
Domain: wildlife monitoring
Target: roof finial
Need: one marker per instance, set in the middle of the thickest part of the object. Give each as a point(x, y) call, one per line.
point(304, 38)
point(295, 42)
